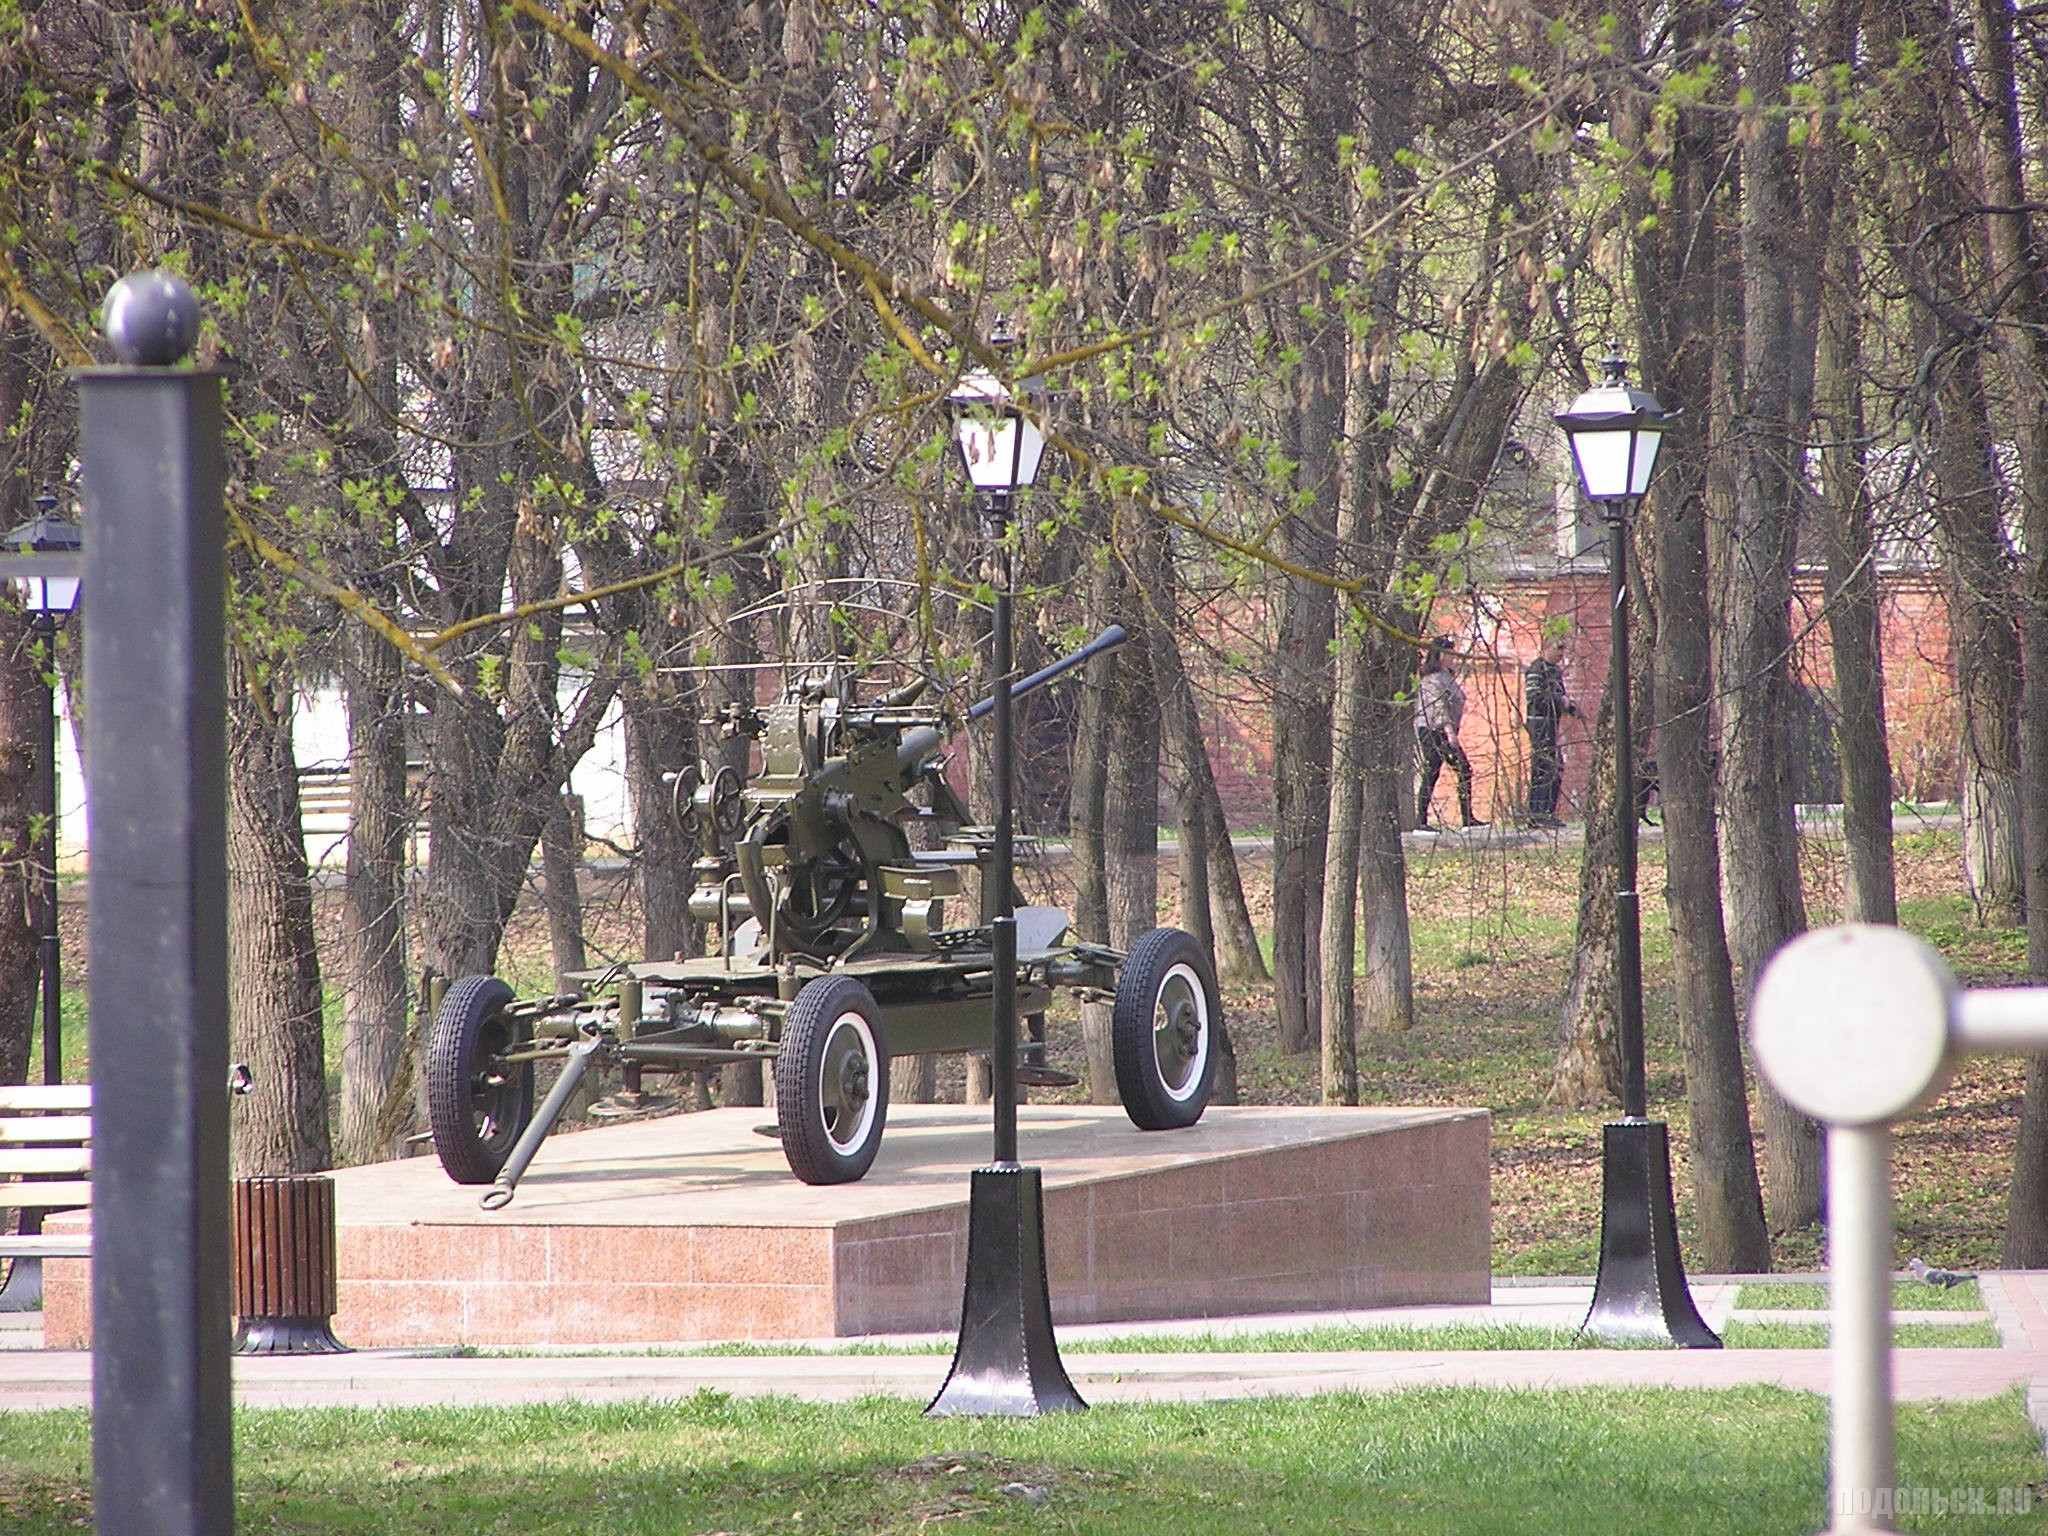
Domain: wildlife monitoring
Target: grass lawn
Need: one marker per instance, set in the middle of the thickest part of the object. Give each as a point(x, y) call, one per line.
point(1454, 1462)
point(1741, 1334)
point(1907, 1296)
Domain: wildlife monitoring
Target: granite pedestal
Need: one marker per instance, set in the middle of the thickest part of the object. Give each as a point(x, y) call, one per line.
point(690, 1227)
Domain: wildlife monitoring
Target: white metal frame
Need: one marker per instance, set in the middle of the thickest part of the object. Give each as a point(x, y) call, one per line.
point(1858, 1026)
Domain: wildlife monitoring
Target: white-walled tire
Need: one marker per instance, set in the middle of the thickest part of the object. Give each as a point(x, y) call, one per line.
point(476, 1104)
point(1163, 1030)
point(832, 1081)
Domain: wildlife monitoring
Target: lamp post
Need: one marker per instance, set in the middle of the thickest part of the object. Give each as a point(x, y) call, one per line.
point(48, 589)
point(1007, 1361)
point(1615, 430)
point(41, 557)
point(1001, 447)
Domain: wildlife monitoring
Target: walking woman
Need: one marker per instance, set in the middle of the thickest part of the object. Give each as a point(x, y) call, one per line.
point(1439, 711)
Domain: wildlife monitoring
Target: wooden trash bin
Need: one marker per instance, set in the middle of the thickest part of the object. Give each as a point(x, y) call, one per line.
point(284, 1266)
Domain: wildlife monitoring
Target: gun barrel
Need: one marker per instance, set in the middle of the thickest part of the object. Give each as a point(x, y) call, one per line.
point(918, 746)
point(1112, 637)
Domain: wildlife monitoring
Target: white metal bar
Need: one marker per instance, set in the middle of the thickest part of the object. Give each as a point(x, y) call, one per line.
point(2001, 1021)
point(1859, 1292)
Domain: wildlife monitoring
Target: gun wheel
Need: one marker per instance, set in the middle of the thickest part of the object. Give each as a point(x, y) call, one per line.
point(723, 794)
point(477, 1104)
point(1163, 1031)
point(682, 799)
point(832, 1081)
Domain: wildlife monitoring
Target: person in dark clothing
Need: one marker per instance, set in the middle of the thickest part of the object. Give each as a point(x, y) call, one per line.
point(1544, 705)
point(1439, 711)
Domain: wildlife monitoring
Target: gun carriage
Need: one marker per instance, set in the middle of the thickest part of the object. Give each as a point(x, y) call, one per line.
point(831, 952)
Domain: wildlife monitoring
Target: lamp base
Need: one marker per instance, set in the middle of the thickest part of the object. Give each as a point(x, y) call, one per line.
point(1007, 1362)
point(23, 1291)
point(1640, 1295)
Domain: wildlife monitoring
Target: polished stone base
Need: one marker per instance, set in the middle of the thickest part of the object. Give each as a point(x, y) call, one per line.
point(691, 1228)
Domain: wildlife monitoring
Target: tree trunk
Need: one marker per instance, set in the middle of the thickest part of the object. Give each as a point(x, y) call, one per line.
point(1676, 264)
point(1088, 799)
point(913, 1079)
point(1348, 750)
point(1192, 867)
point(517, 463)
point(1131, 798)
point(376, 1071)
point(1235, 940)
point(1588, 1071)
point(1931, 232)
point(2016, 258)
point(1987, 644)
point(1869, 884)
point(1301, 751)
point(1733, 1237)
point(378, 1055)
point(274, 996)
point(1759, 837)
point(1386, 992)
point(561, 863)
point(1302, 739)
point(1212, 890)
point(661, 737)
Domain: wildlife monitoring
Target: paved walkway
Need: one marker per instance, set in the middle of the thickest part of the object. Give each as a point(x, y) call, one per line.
point(32, 1378)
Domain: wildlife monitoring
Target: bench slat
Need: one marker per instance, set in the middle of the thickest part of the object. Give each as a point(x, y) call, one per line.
point(45, 1159)
point(45, 1096)
point(27, 1128)
point(46, 1194)
point(45, 1129)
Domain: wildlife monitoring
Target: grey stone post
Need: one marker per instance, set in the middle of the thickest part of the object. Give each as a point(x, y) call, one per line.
point(150, 442)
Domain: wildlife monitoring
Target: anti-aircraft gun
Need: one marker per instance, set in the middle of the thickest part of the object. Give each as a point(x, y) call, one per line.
point(832, 951)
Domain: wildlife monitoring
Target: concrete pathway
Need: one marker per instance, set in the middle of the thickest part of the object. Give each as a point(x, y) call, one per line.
point(34, 1378)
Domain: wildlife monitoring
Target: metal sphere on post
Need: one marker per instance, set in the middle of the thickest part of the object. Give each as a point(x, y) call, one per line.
point(1615, 430)
point(1007, 1360)
point(151, 319)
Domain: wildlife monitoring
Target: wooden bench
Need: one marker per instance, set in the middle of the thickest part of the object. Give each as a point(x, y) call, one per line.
point(326, 791)
point(45, 1165)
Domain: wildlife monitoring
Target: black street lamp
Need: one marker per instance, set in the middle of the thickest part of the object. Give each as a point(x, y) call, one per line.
point(42, 559)
point(1615, 431)
point(1001, 447)
point(1007, 1361)
point(48, 588)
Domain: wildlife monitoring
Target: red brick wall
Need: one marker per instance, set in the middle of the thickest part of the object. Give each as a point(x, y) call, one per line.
point(1500, 635)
